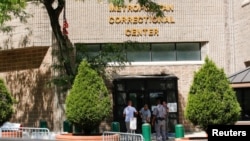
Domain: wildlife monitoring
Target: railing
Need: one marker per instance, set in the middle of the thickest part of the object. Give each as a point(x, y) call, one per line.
point(120, 136)
point(25, 133)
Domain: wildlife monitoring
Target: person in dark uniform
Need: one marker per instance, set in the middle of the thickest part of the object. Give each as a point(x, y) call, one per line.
point(165, 105)
point(159, 122)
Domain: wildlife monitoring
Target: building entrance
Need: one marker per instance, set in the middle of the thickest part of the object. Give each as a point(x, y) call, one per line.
point(145, 90)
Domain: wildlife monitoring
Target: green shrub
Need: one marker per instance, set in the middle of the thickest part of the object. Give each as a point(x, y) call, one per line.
point(88, 102)
point(211, 100)
point(6, 103)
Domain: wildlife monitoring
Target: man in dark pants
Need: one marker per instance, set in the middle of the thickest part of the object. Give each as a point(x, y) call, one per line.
point(158, 121)
point(165, 105)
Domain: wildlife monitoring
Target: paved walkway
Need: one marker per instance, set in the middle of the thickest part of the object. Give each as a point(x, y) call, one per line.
point(194, 136)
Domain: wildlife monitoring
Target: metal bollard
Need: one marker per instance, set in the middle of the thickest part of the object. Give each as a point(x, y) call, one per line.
point(43, 124)
point(146, 131)
point(179, 131)
point(67, 126)
point(115, 126)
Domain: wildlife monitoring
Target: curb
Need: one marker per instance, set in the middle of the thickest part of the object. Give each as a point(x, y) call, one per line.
point(190, 138)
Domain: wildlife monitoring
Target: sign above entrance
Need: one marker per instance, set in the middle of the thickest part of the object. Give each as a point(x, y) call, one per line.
point(140, 19)
point(138, 8)
point(142, 32)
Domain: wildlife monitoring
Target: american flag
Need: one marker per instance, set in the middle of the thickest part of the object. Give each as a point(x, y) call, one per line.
point(65, 26)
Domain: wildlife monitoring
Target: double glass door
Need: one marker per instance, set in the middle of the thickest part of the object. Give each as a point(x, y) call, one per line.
point(143, 91)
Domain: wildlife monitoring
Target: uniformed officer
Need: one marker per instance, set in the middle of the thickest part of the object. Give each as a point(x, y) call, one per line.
point(165, 105)
point(159, 122)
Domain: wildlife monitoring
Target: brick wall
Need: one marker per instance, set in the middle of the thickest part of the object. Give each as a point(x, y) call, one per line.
point(195, 21)
point(22, 58)
point(25, 65)
point(35, 32)
point(208, 22)
point(220, 25)
point(27, 73)
point(241, 23)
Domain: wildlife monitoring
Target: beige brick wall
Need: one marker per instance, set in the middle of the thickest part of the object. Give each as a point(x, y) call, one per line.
point(36, 32)
point(241, 24)
point(26, 73)
point(221, 25)
point(195, 20)
point(25, 65)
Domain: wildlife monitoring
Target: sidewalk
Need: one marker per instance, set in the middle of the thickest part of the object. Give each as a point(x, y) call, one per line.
point(194, 136)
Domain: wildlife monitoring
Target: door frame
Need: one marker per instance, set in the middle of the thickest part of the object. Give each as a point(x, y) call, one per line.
point(121, 86)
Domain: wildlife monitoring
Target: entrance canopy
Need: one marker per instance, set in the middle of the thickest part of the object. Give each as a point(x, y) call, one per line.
point(240, 79)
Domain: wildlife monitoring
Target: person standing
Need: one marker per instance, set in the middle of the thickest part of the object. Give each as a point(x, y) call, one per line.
point(165, 105)
point(158, 121)
point(128, 113)
point(145, 114)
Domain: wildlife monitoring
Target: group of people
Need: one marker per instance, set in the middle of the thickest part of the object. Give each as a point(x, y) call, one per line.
point(159, 118)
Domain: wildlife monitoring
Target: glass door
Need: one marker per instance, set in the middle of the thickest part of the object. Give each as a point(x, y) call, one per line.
point(152, 99)
point(138, 101)
point(145, 91)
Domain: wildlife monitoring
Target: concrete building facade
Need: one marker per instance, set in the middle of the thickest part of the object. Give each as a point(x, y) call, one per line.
point(220, 27)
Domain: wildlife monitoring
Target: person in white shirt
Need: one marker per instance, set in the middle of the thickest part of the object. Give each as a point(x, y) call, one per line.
point(128, 113)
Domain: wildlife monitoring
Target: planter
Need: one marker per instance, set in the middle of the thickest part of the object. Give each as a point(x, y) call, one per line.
point(11, 134)
point(71, 137)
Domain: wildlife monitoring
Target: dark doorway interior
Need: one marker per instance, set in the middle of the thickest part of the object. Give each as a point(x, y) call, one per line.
point(144, 90)
point(243, 96)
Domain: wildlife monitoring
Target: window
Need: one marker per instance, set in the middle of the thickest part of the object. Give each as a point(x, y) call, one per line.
point(93, 49)
point(86, 50)
point(163, 52)
point(149, 52)
point(188, 51)
point(138, 53)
